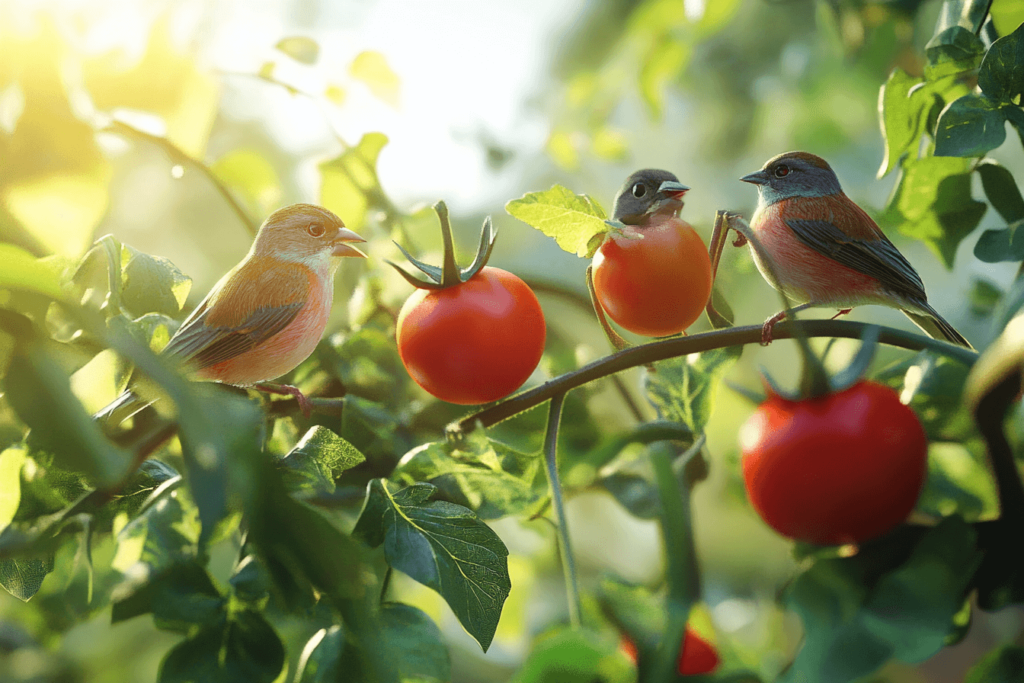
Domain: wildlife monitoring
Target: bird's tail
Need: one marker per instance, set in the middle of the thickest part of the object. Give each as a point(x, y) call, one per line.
point(934, 325)
point(121, 408)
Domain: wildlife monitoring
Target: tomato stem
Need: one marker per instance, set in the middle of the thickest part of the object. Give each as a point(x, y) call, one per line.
point(651, 352)
point(564, 546)
point(449, 268)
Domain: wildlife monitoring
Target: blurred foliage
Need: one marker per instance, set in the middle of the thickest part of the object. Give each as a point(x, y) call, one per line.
point(263, 545)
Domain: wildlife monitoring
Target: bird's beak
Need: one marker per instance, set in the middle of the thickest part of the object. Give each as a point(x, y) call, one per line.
point(758, 178)
point(342, 244)
point(673, 190)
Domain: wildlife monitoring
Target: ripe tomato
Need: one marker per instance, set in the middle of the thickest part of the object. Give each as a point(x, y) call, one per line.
point(696, 656)
point(842, 468)
point(657, 285)
point(474, 342)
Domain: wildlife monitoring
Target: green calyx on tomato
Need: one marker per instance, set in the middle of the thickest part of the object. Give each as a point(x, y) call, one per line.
point(449, 274)
point(469, 336)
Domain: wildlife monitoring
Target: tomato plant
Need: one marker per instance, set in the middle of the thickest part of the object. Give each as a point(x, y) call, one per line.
point(841, 468)
point(696, 656)
point(475, 342)
point(470, 336)
point(654, 280)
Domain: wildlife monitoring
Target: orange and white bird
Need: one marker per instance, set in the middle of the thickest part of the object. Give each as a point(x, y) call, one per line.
point(268, 313)
point(819, 248)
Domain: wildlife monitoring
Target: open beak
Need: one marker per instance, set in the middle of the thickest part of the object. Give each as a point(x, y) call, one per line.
point(758, 178)
point(342, 244)
point(673, 190)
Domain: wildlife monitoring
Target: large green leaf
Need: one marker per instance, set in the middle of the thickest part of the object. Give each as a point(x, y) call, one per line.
point(240, 649)
point(151, 284)
point(860, 611)
point(443, 546)
point(1002, 190)
point(952, 51)
point(1005, 244)
point(419, 650)
point(935, 203)
point(24, 272)
point(39, 391)
point(575, 221)
point(899, 109)
point(22, 577)
point(487, 476)
point(969, 127)
point(1001, 76)
point(683, 389)
point(319, 457)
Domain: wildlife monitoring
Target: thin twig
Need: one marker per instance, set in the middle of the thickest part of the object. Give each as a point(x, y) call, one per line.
point(568, 559)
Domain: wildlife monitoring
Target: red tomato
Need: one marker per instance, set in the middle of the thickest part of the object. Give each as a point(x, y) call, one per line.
point(696, 656)
point(475, 342)
point(842, 468)
point(657, 285)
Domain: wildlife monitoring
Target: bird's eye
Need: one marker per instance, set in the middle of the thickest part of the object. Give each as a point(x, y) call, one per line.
point(639, 190)
point(781, 171)
point(316, 229)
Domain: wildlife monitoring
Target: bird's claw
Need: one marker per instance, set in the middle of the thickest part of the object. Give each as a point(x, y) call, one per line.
point(843, 311)
point(769, 326)
point(739, 241)
point(305, 405)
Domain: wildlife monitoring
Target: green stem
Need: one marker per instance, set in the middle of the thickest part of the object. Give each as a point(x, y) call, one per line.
point(449, 268)
point(680, 561)
point(564, 546)
point(697, 343)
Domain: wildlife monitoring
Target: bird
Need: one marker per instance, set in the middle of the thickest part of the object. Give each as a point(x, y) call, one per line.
point(821, 249)
point(652, 273)
point(267, 314)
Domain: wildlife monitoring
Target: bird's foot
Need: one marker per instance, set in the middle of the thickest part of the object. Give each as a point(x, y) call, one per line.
point(841, 312)
point(769, 325)
point(305, 405)
point(740, 240)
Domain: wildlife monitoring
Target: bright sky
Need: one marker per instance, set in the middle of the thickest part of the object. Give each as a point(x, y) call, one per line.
point(467, 68)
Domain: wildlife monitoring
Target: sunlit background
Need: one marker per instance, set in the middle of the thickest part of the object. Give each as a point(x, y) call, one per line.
point(479, 102)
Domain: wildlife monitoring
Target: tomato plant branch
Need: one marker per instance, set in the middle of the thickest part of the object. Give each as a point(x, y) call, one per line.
point(568, 559)
point(178, 156)
point(682, 346)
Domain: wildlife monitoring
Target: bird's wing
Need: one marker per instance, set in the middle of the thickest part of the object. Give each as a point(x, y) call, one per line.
point(875, 256)
point(248, 306)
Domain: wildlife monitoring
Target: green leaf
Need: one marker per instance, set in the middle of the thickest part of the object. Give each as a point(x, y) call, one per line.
point(860, 611)
point(1006, 244)
point(164, 535)
point(634, 610)
point(566, 655)
point(300, 48)
point(969, 127)
point(443, 546)
point(151, 284)
point(683, 389)
point(934, 198)
point(421, 652)
point(23, 576)
point(319, 457)
point(912, 608)
point(573, 220)
point(372, 68)
point(984, 297)
point(665, 59)
point(241, 649)
point(1002, 190)
point(11, 462)
point(1007, 15)
point(248, 172)
point(953, 51)
point(900, 117)
point(349, 181)
point(321, 657)
point(25, 273)
point(1002, 665)
point(1001, 76)
point(488, 477)
point(181, 597)
point(39, 391)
